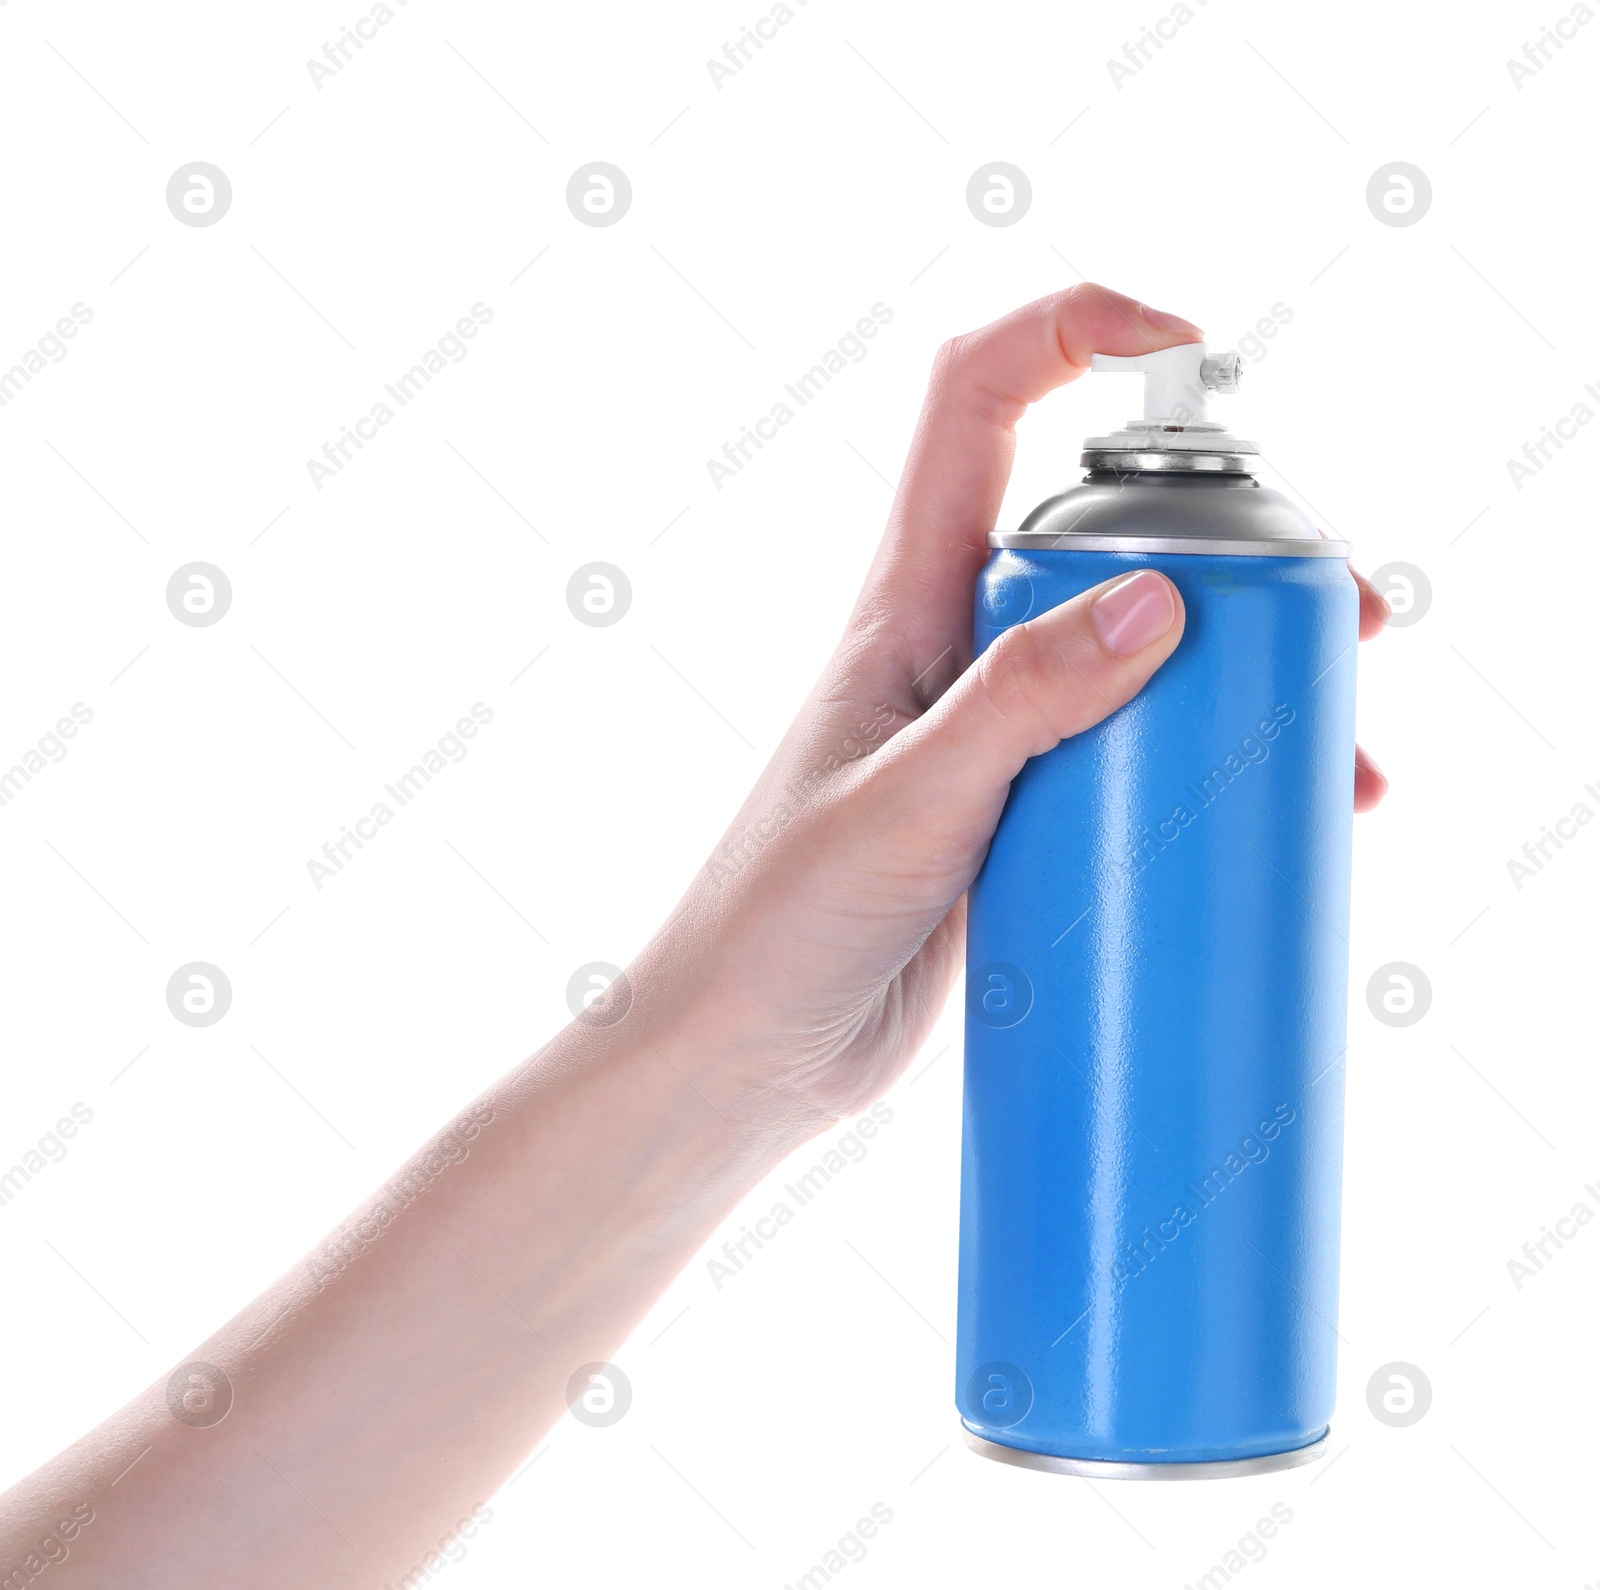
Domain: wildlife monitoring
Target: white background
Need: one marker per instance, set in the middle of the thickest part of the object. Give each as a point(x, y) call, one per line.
point(1226, 176)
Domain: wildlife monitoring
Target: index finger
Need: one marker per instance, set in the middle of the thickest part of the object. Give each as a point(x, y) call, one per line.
point(960, 457)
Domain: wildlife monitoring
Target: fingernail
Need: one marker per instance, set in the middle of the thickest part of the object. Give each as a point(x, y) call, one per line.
point(1133, 613)
point(1159, 317)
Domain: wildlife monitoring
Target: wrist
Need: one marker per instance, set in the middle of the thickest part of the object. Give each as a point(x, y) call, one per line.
point(707, 1053)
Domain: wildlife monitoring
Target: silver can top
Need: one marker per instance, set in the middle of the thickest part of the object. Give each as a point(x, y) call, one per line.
point(1173, 480)
point(1216, 513)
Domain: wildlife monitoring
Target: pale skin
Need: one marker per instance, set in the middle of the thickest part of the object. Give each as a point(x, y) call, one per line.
point(379, 1399)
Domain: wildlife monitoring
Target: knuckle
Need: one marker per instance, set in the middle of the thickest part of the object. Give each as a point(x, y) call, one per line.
point(1081, 293)
point(1019, 674)
point(953, 357)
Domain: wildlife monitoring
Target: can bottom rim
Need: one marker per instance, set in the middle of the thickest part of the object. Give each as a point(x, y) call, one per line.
point(1102, 1469)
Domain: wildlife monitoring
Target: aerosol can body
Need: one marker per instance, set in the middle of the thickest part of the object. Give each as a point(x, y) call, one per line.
point(1156, 984)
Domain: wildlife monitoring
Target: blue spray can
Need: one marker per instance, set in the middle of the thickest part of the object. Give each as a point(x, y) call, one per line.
point(1156, 969)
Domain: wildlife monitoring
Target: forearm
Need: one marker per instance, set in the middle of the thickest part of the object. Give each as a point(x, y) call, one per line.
point(394, 1380)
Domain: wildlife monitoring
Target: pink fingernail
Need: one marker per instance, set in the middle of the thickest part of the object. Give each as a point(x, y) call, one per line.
point(1159, 317)
point(1133, 613)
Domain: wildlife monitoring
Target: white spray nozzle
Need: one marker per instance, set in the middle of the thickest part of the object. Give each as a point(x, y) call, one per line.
point(1177, 380)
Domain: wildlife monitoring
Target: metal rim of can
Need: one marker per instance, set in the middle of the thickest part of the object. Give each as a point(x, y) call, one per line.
point(1101, 1468)
point(1018, 541)
point(1165, 462)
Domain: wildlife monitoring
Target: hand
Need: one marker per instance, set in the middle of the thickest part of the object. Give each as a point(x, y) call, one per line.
point(828, 928)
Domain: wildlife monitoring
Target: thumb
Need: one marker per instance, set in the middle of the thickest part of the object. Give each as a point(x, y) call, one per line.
point(1038, 684)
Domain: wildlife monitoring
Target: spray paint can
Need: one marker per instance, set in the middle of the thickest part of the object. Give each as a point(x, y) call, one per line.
point(1156, 982)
